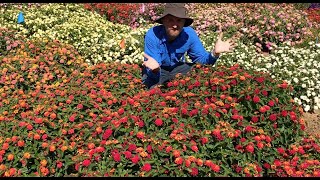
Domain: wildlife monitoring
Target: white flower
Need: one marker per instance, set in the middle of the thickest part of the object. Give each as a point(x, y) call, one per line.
point(303, 97)
point(304, 85)
point(244, 29)
point(306, 108)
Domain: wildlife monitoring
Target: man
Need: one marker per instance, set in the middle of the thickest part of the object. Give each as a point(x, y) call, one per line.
point(165, 47)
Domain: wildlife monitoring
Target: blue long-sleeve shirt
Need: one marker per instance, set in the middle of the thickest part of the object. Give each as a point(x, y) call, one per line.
point(167, 54)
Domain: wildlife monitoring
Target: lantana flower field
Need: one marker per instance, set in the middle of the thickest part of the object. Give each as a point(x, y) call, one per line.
point(72, 101)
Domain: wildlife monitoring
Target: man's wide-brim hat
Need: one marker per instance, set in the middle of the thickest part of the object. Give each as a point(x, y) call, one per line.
point(177, 10)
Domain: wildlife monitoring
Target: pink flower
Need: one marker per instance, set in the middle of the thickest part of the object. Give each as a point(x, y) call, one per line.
point(175, 120)
point(116, 156)
point(158, 122)
point(194, 148)
point(273, 117)
point(260, 145)
point(178, 160)
point(31, 46)
point(259, 169)
point(254, 119)
point(243, 140)
point(238, 169)
point(249, 128)
point(266, 165)
point(60, 164)
point(271, 103)
point(301, 151)
point(72, 117)
point(29, 127)
point(146, 167)
point(262, 109)
point(280, 150)
point(284, 113)
point(86, 162)
point(267, 107)
point(235, 116)
point(260, 79)
point(238, 147)
point(127, 154)
point(141, 124)
point(149, 149)
point(132, 147)
point(135, 159)
point(256, 99)
point(168, 149)
point(79, 106)
point(76, 167)
point(194, 171)
point(215, 168)
point(121, 111)
point(250, 148)
point(100, 149)
point(204, 140)
point(268, 139)
point(107, 134)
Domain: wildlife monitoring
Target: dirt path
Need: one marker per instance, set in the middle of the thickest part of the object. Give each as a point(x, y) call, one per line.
point(312, 121)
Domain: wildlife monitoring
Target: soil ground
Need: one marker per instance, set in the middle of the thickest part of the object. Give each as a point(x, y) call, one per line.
point(312, 121)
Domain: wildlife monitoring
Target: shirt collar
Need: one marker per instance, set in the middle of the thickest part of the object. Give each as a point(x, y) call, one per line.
point(163, 35)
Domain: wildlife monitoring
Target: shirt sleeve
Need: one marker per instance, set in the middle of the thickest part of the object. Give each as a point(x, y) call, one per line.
point(197, 52)
point(151, 47)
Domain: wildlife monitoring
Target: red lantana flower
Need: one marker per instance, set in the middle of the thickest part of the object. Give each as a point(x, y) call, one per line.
point(271, 103)
point(254, 119)
point(135, 159)
point(194, 171)
point(86, 162)
point(256, 99)
point(158, 122)
point(273, 117)
point(204, 140)
point(194, 148)
point(107, 134)
point(280, 150)
point(215, 168)
point(250, 148)
point(146, 167)
point(266, 165)
point(260, 79)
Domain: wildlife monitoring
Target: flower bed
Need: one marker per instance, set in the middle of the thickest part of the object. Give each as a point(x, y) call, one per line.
point(133, 14)
point(314, 14)
point(263, 24)
point(59, 116)
point(94, 38)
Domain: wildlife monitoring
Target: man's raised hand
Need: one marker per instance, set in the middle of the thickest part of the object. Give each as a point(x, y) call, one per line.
point(223, 46)
point(151, 63)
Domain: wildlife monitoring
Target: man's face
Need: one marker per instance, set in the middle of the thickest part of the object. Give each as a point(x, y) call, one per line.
point(173, 26)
